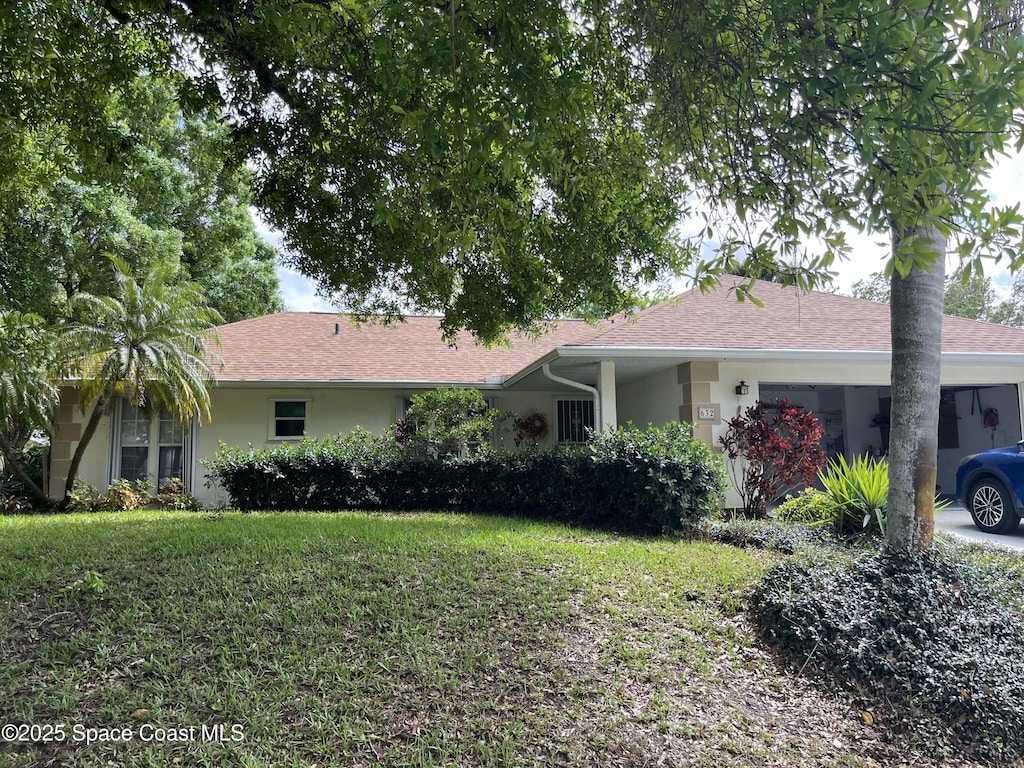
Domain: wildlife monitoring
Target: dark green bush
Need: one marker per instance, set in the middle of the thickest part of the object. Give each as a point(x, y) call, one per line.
point(643, 482)
point(759, 534)
point(337, 472)
point(912, 636)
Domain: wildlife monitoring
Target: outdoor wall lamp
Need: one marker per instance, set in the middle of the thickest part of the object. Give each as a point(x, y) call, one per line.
point(742, 388)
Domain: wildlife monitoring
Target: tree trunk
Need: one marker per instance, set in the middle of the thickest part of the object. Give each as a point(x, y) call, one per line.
point(12, 463)
point(916, 317)
point(87, 434)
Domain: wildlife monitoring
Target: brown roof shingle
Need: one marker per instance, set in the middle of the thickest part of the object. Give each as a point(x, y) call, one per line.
point(788, 320)
point(304, 347)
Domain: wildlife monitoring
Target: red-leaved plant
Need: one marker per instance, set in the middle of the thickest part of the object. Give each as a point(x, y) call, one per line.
point(771, 449)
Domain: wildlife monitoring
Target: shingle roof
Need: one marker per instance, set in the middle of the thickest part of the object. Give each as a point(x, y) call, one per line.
point(303, 347)
point(788, 320)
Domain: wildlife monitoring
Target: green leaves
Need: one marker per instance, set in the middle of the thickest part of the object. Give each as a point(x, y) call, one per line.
point(452, 421)
point(859, 491)
point(847, 114)
point(648, 482)
point(911, 635)
point(146, 342)
point(483, 160)
point(164, 194)
point(28, 364)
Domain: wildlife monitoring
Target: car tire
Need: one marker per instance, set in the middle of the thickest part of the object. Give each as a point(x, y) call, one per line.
point(991, 507)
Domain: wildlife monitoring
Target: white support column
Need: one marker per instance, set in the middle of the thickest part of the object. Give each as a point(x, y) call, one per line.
point(606, 390)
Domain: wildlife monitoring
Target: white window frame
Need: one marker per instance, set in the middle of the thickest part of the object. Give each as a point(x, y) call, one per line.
point(153, 445)
point(581, 437)
point(273, 419)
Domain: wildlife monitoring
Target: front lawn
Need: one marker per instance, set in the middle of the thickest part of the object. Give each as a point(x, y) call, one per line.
point(415, 640)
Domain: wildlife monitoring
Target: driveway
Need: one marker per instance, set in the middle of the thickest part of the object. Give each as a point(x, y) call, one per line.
point(957, 520)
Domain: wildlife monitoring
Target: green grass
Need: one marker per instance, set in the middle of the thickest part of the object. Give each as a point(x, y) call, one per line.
point(416, 640)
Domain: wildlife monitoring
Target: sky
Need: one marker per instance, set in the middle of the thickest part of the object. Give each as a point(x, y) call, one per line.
point(1006, 185)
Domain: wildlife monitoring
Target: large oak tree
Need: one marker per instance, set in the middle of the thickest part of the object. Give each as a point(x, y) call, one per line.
point(483, 159)
point(163, 195)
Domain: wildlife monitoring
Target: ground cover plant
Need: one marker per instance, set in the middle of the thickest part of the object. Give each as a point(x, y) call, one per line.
point(428, 640)
point(930, 642)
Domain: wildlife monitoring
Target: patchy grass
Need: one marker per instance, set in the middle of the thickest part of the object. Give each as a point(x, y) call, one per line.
point(424, 640)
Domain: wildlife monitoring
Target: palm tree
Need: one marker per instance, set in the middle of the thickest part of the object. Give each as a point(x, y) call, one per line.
point(28, 396)
point(147, 343)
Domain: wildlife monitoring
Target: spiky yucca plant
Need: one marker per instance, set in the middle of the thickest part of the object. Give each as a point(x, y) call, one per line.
point(860, 492)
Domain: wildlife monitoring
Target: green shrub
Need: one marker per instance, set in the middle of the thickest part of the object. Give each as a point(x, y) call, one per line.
point(172, 495)
point(450, 421)
point(809, 507)
point(85, 497)
point(912, 637)
point(859, 493)
point(349, 471)
point(14, 505)
point(639, 481)
point(757, 534)
point(13, 496)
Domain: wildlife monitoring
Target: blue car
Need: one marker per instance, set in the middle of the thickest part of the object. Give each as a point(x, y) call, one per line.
point(991, 484)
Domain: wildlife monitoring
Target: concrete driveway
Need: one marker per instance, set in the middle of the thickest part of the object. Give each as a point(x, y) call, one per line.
point(957, 520)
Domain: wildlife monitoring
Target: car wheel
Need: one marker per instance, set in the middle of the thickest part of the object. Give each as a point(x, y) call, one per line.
point(991, 507)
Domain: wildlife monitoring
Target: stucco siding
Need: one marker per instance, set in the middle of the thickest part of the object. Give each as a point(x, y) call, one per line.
point(242, 417)
point(652, 400)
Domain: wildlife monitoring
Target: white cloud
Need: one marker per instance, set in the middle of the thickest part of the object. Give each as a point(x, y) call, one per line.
point(299, 292)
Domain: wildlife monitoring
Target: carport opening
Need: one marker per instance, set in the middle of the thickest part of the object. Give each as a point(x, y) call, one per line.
point(856, 419)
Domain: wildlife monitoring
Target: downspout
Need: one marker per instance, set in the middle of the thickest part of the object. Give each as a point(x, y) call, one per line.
point(546, 368)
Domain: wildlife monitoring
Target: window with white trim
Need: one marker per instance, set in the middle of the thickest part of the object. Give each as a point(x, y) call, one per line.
point(573, 419)
point(148, 445)
point(289, 419)
point(133, 441)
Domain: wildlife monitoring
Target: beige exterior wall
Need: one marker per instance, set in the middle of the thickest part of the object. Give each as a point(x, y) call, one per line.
point(703, 392)
point(680, 392)
point(653, 400)
point(242, 416)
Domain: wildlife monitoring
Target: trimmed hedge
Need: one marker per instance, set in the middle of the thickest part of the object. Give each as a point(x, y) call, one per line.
point(649, 481)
